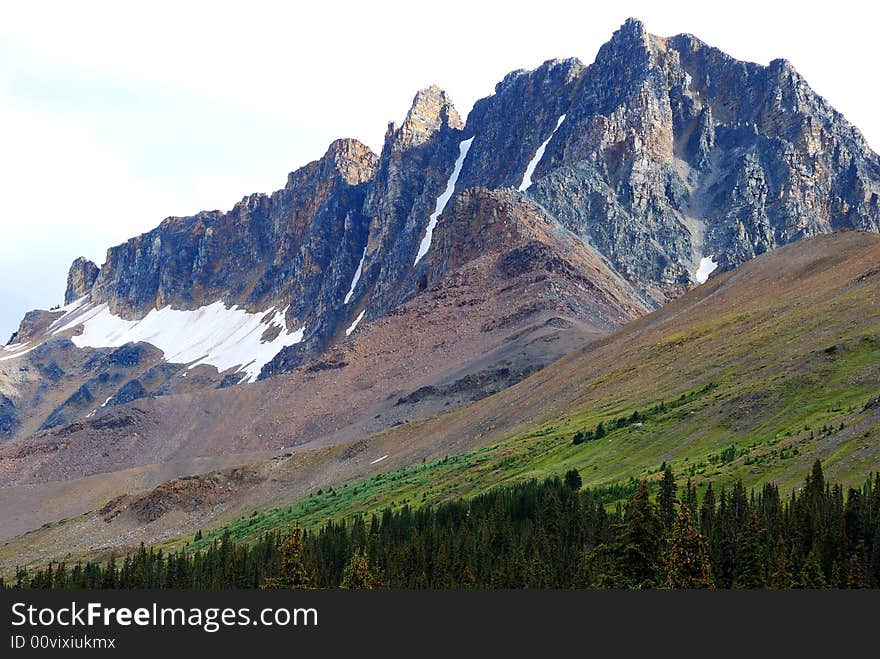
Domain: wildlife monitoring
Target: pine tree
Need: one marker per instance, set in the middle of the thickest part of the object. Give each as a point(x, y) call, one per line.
point(690, 497)
point(856, 577)
point(637, 550)
point(707, 513)
point(666, 498)
point(294, 573)
point(358, 575)
point(573, 480)
point(875, 558)
point(812, 576)
point(749, 563)
point(780, 577)
point(686, 560)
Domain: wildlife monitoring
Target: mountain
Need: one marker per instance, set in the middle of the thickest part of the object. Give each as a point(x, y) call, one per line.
point(663, 154)
point(729, 380)
point(376, 291)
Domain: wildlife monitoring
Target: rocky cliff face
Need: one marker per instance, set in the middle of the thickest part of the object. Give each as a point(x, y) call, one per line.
point(269, 250)
point(661, 153)
point(672, 151)
point(80, 279)
point(668, 150)
point(416, 164)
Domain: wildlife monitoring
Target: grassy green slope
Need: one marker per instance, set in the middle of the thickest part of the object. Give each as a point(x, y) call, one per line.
point(760, 371)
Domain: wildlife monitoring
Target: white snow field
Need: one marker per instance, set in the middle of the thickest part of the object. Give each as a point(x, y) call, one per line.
point(354, 325)
point(214, 334)
point(356, 278)
point(707, 267)
point(530, 168)
point(444, 198)
point(16, 350)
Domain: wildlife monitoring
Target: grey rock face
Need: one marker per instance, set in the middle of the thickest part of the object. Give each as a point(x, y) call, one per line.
point(80, 279)
point(670, 151)
point(9, 421)
point(268, 250)
point(33, 324)
point(509, 126)
point(416, 163)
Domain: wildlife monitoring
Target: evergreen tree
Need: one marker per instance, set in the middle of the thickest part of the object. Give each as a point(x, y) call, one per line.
point(358, 575)
point(690, 497)
point(638, 546)
point(573, 480)
point(749, 565)
point(293, 573)
point(780, 577)
point(875, 558)
point(666, 498)
point(686, 560)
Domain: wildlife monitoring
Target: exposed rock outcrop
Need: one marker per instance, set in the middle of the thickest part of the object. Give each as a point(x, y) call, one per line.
point(661, 153)
point(80, 279)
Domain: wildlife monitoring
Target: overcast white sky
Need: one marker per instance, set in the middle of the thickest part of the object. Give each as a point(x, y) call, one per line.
point(114, 115)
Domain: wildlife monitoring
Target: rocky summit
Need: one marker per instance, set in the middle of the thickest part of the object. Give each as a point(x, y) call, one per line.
point(663, 154)
point(572, 200)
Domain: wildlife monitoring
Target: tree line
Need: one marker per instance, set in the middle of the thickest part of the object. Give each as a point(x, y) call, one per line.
point(549, 534)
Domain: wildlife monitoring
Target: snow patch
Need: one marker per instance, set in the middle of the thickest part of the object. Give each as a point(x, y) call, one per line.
point(378, 459)
point(356, 278)
point(17, 350)
point(104, 404)
point(707, 267)
point(15, 347)
point(68, 311)
point(443, 199)
point(357, 320)
point(214, 334)
point(533, 163)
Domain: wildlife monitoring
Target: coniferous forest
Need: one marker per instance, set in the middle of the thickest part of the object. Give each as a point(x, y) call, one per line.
point(551, 534)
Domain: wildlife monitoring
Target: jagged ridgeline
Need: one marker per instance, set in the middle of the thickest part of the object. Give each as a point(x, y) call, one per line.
point(520, 289)
point(665, 156)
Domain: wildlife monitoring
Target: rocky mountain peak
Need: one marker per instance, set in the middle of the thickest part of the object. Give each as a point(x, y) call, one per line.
point(663, 154)
point(432, 110)
point(353, 159)
point(80, 279)
point(347, 159)
point(565, 70)
point(630, 41)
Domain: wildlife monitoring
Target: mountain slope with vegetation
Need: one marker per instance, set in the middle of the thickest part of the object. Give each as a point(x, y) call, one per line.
point(542, 535)
point(751, 376)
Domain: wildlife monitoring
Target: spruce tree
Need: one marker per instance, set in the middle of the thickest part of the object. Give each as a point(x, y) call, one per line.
point(666, 498)
point(749, 562)
point(686, 559)
point(358, 575)
point(573, 480)
point(856, 578)
point(637, 550)
point(293, 572)
point(780, 573)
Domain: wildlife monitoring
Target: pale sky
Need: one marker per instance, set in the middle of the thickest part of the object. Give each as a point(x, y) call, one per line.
point(115, 115)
